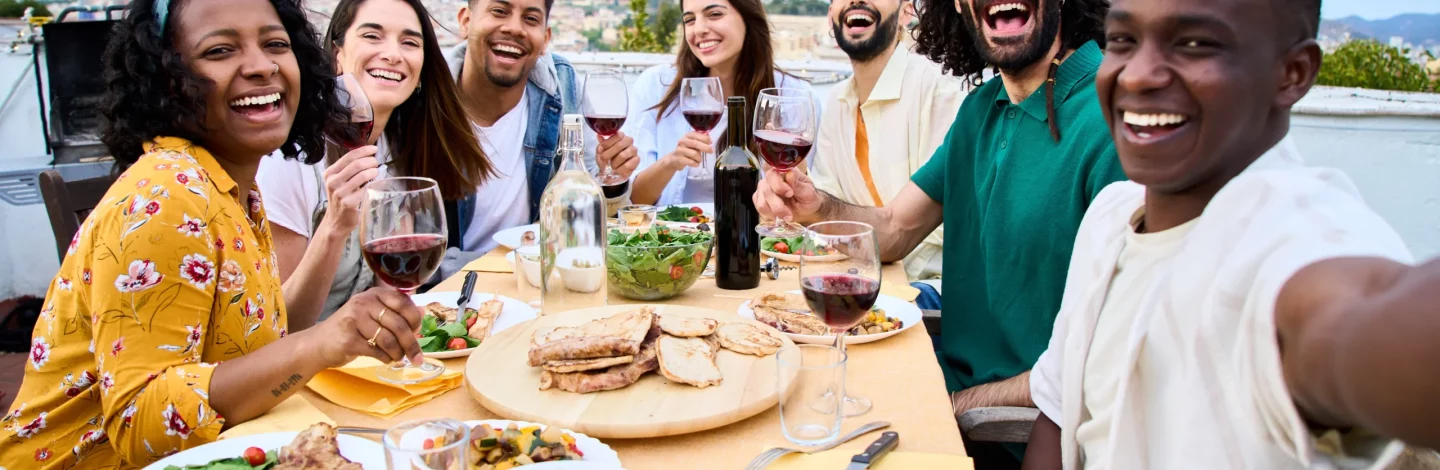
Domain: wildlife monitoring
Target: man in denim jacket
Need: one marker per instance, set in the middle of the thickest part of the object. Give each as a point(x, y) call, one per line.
point(511, 86)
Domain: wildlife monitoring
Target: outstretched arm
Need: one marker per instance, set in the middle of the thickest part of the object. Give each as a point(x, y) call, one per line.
point(1358, 341)
point(900, 226)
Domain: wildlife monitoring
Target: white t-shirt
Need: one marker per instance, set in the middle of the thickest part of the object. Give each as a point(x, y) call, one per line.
point(294, 190)
point(504, 200)
point(1200, 383)
point(1144, 255)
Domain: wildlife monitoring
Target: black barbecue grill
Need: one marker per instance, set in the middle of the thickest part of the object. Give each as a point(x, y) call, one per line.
point(73, 51)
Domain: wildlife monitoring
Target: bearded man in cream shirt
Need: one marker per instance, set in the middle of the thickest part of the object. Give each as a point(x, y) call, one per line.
point(883, 123)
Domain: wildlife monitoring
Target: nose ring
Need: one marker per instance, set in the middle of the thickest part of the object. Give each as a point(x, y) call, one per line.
point(277, 68)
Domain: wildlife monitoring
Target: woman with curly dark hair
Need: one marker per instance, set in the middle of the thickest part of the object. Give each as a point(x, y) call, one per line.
point(1011, 182)
point(167, 313)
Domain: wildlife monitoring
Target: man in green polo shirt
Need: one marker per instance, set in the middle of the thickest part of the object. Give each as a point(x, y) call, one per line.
point(1021, 163)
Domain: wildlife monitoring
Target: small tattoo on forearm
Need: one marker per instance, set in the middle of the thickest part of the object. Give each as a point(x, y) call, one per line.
point(285, 386)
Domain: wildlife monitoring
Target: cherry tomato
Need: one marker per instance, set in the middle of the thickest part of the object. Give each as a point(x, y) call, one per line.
point(782, 247)
point(255, 456)
point(456, 344)
point(700, 258)
point(469, 322)
point(677, 272)
point(430, 443)
point(695, 219)
point(696, 210)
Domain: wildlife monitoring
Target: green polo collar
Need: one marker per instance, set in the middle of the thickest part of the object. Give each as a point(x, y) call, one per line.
point(1081, 64)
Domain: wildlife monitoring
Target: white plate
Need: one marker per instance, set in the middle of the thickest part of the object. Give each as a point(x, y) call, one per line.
point(514, 313)
point(597, 454)
point(906, 312)
point(365, 452)
point(510, 237)
point(796, 258)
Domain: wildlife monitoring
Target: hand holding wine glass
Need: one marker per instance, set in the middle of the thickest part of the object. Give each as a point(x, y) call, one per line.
point(345, 182)
point(842, 292)
point(348, 331)
point(606, 105)
point(702, 102)
point(403, 242)
point(785, 128)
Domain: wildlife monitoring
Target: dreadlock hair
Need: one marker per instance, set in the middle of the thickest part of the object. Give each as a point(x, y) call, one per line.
point(945, 38)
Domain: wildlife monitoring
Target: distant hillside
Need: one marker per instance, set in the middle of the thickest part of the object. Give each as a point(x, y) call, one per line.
point(1416, 28)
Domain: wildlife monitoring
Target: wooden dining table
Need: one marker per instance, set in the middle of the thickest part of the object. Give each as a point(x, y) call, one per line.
point(899, 374)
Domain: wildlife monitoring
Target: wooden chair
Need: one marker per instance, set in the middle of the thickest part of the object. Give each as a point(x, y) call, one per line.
point(990, 424)
point(69, 203)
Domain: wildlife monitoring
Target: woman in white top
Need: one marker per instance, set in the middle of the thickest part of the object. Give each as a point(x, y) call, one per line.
point(728, 39)
point(421, 131)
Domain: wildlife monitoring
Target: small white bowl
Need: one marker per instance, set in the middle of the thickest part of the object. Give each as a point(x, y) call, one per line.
point(529, 261)
point(585, 280)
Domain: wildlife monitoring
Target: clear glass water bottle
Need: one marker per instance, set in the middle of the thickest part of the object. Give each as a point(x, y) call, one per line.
point(572, 230)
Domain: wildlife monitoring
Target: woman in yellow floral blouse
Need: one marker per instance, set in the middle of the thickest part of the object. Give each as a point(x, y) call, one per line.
point(166, 322)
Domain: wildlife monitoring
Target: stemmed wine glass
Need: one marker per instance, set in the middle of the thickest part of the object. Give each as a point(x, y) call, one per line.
point(356, 133)
point(785, 127)
point(842, 292)
point(403, 240)
point(605, 106)
point(702, 102)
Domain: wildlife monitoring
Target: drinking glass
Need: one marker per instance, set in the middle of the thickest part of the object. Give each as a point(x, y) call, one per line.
point(427, 444)
point(812, 380)
point(403, 240)
point(702, 102)
point(841, 292)
point(605, 105)
point(785, 127)
point(637, 218)
point(355, 133)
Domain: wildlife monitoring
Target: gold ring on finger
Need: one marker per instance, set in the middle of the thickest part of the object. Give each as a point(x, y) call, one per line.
point(380, 317)
point(376, 335)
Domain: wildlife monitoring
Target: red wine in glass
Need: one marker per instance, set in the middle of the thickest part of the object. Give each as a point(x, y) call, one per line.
point(605, 126)
point(702, 121)
point(782, 150)
point(841, 300)
point(353, 135)
point(405, 261)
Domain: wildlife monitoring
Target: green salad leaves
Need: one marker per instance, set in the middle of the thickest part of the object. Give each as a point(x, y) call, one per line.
point(656, 264)
point(436, 337)
point(233, 463)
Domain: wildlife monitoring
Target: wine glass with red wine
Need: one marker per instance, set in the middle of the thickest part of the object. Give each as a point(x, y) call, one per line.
point(356, 133)
point(403, 241)
point(785, 127)
point(841, 292)
point(702, 102)
point(605, 106)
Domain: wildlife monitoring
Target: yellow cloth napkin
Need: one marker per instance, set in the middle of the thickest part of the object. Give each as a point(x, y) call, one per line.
point(294, 414)
point(355, 386)
point(492, 262)
point(901, 290)
point(833, 459)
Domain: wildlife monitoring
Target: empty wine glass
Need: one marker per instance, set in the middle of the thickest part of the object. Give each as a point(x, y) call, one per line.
point(702, 102)
point(403, 240)
point(842, 292)
point(785, 127)
point(355, 133)
point(605, 106)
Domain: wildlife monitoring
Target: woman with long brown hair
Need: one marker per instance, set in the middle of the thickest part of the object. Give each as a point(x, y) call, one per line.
point(727, 39)
point(391, 49)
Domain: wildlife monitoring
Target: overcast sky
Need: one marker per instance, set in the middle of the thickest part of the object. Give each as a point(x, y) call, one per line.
point(1376, 9)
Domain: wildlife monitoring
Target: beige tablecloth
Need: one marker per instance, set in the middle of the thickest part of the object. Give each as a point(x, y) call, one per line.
point(900, 374)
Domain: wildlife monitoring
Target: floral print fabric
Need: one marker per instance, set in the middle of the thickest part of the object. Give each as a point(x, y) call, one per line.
point(169, 276)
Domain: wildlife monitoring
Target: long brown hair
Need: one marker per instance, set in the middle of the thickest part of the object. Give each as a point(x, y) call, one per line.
point(429, 134)
point(754, 67)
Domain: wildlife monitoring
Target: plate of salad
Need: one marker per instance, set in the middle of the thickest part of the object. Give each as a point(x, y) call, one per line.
point(261, 452)
point(447, 333)
point(791, 249)
point(687, 214)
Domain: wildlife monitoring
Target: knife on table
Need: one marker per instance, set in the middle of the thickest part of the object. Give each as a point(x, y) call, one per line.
point(886, 443)
point(467, 292)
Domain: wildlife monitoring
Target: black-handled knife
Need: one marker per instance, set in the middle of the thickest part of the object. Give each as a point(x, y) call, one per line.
point(886, 443)
point(466, 290)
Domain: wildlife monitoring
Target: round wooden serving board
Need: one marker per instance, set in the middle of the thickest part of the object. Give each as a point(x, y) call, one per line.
point(497, 376)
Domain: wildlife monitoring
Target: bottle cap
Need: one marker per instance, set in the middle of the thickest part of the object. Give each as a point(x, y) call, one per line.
point(735, 100)
point(575, 119)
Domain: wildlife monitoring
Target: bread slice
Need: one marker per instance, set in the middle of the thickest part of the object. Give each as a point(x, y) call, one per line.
point(747, 339)
point(315, 448)
point(577, 365)
point(616, 335)
point(689, 360)
point(485, 319)
point(610, 378)
point(687, 327)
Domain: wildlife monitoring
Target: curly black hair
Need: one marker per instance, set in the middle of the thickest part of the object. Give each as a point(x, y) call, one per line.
point(943, 36)
point(152, 91)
